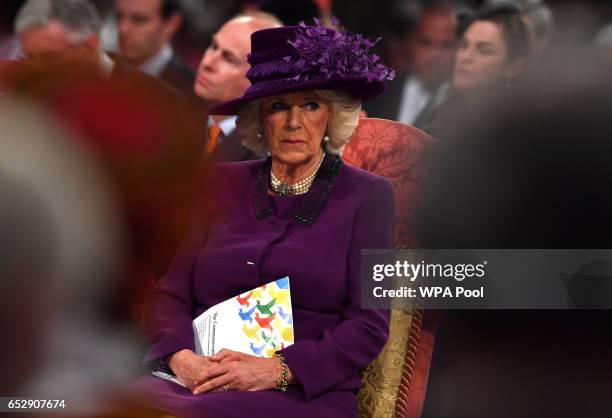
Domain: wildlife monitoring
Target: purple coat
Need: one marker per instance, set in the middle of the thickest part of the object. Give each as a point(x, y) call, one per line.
point(316, 240)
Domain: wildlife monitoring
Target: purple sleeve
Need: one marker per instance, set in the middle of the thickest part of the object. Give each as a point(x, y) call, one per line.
point(170, 307)
point(346, 349)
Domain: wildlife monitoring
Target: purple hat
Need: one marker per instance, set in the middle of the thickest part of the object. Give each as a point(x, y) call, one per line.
point(297, 58)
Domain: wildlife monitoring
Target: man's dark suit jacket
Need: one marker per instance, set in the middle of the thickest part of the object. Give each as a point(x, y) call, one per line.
point(179, 76)
point(231, 150)
point(123, 71)
point(174, 100)
point(387, 105)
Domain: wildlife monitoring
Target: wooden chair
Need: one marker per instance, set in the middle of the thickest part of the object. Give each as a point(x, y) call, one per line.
point(394, 384)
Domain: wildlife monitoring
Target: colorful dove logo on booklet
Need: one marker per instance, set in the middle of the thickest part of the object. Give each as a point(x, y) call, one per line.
point(258, 322)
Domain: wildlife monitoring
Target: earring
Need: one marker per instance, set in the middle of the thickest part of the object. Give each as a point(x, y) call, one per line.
point(259, 136)
point(326, 138)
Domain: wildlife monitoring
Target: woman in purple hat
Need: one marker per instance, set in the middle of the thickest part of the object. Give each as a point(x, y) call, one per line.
point(301, 213)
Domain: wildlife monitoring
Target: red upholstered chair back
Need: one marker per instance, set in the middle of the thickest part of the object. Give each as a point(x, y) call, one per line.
point(396, 151)
point(393, 150)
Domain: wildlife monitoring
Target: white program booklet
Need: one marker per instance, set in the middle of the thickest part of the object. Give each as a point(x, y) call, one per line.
point(258, 322)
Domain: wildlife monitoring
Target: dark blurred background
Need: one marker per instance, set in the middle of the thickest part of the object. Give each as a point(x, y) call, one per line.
point(390, 19)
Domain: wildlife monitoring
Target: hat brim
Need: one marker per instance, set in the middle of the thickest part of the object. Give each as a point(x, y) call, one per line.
point(358, 88)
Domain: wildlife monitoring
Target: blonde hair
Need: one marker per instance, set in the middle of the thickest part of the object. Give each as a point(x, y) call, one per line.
point(343, 118)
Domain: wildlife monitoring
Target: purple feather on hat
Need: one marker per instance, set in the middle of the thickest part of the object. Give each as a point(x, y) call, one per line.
point(324, 54)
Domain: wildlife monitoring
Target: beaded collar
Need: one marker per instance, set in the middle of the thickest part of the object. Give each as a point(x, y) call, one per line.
point(314, 200)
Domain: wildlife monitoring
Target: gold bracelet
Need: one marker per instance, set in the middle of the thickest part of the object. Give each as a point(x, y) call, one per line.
point(283, 382)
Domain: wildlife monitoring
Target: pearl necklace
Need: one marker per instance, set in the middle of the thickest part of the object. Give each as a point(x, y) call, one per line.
point(282, 188)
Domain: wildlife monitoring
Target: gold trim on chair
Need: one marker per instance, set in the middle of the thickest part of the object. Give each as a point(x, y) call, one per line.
point(401, 406)
point(386, 381)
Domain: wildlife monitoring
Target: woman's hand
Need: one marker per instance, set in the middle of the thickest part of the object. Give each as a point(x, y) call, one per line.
point(190, 368)
point(231, 370)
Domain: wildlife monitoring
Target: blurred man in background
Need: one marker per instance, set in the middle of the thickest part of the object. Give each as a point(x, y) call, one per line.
point(431, 50)
point(145, 29)
point(64, 33)
point(61, 31)
point(222, 76)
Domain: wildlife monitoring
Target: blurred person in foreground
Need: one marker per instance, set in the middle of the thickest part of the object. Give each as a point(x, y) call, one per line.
point(109, 195)
point(61, 251)
point(530, 172)
point(149, 135)
point(301, 213)
point(222, 77)
point(491, 57)
point(145, 29)
point(431, 48)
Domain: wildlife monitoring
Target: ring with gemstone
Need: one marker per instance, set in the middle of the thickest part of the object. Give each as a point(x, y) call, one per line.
point(226, 387)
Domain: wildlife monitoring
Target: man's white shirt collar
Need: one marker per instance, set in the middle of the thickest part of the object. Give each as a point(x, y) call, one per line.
point(414, 99)
point(155, 65)
point(227, 125)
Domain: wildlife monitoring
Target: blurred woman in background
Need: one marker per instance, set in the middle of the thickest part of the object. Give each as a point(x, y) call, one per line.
point(492, 51)
point(492, 56)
